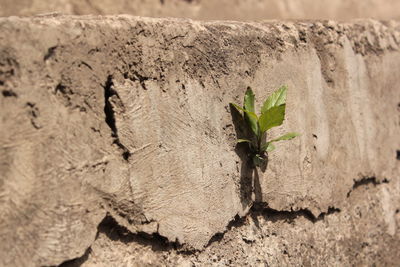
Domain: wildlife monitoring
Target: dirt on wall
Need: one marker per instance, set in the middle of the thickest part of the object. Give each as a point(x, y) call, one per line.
point(246, 10)
point(118, 145)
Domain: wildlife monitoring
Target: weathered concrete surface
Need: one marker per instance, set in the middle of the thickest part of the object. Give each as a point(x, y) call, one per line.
point(246, 10)
point(129, 117)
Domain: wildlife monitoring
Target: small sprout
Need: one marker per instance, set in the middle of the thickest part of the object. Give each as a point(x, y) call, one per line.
point(272, 115)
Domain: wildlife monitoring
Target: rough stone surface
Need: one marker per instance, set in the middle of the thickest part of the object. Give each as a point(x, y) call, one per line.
point(124, 123)
point(211, 9)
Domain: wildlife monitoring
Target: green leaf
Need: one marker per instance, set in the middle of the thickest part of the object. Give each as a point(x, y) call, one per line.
point(249, 106)
point(249, 100)
point(267, 147)
point(243, 141)
point(287, 136)
point(272, 117)
point(252, 114)
point(276, 99)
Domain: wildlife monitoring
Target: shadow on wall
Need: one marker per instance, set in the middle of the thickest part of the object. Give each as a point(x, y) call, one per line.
point(249, 176)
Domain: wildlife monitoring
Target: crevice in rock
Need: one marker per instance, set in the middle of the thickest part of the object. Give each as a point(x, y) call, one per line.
point(109, 94)
point(289, 215)
point(366, 181)
point(116, 232)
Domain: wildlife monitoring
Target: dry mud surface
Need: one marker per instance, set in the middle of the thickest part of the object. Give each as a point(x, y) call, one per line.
point(117, 145)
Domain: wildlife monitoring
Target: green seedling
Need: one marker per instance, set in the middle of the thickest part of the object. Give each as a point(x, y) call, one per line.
point(272, 115)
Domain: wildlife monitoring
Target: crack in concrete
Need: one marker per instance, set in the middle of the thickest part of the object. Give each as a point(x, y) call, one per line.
point(291, 215)
point(109, 95)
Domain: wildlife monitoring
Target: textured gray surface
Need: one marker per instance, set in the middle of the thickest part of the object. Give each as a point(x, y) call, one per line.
point(129, 117)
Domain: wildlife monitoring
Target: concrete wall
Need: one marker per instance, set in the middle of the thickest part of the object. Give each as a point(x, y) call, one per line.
point(118, 145)
point(212, 9)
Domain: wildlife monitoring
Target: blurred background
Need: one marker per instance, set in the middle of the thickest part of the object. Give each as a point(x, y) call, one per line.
point(212, 9)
